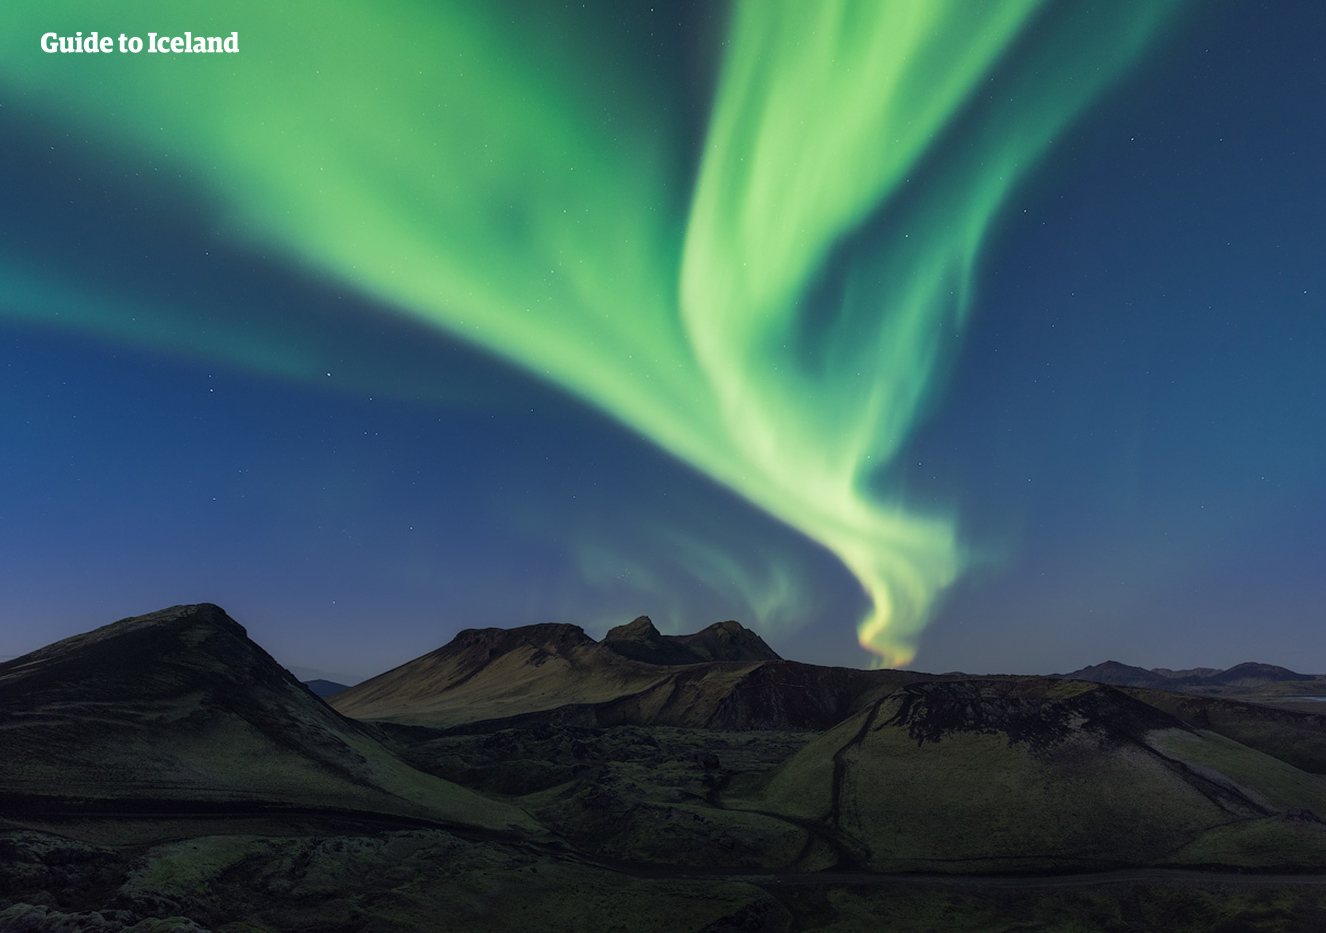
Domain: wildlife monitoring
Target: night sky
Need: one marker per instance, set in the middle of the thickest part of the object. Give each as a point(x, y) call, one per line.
point(986, 337)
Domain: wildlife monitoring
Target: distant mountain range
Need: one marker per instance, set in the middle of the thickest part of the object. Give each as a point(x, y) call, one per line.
point(324, 688)
point(1249, 674)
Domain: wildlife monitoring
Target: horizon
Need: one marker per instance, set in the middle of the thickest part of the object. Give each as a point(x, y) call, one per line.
point(307, 673)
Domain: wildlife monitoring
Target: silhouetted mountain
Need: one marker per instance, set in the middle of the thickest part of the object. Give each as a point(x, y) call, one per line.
point(179, 705)
point(324, 688)
point(1194, 672)
point(728, 641)
point(722, 641)
point(555, 672)
point(640, 641)
point(1249, 674)
point(1120, 675)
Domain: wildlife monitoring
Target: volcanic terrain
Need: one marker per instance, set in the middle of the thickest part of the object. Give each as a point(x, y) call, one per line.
point(164, 773)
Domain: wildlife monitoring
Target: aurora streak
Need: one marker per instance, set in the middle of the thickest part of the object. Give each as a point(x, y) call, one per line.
point(777, 314)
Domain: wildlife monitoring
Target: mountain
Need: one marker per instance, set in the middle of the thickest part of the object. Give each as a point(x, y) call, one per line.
point(178, 709)
point(1246, 675)
point(324, 688)
point(1250, 673)
point(724, 676)
point(1194, 672)
point(722, 641)
point(1291, 735)
point(1119, 675)
point(495, 673)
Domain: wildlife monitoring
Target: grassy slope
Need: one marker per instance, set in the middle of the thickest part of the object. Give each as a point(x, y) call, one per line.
point(975, 801)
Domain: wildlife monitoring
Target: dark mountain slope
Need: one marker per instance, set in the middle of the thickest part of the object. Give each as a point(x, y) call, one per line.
point(557, 673)
point(1247, 675)
point(722, 641)
point(179, 705)
point(640, 641)
point(1119, 675)
point(1252, 673)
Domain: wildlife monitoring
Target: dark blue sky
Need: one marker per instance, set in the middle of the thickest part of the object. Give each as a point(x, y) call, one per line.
point(1130, 436)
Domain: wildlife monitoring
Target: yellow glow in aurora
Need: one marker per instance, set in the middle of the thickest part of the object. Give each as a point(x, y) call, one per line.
point(774, 316)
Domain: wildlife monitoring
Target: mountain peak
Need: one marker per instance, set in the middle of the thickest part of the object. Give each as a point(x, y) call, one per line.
point(639, 627)
point(1256, 672)
point(199, 620)
point(553, 636)
point(640, 641)
point(1247, 674)
point(729, 641)
point(497, 673)
point(181, 705)
point(1118, 674)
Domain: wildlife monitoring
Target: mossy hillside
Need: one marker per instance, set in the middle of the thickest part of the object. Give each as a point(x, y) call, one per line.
point(1014, 775)
point(973, 796)
point(438, 798)
point(628, 793)
point(1295, 737)
point(219, 757)
point(185, 872)
point(179, 708)
point(1261, 776)
point(423, 880)
point(623, 815)
point(1272, 843)
point(801, 787)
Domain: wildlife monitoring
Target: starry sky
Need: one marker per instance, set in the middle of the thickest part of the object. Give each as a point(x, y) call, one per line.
point(970, 336)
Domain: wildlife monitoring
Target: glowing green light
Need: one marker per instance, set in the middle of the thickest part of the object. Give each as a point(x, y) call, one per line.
point(495, 179)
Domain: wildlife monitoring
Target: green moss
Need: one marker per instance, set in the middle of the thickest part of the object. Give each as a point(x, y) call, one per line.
point(1259, 775)
point(186, 870)
point(1270, 843)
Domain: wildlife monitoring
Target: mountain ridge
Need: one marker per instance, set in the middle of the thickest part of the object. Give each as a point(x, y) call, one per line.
point(1248, 673)
point(510, 674)
point(180, 705)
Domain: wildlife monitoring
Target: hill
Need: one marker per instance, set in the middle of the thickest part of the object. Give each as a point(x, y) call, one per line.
point(1029, 774)
point(724, 676)
point(179, 709)
point(1248, 674)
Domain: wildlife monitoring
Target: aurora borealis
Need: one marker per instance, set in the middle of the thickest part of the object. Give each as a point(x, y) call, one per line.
point(757, 241)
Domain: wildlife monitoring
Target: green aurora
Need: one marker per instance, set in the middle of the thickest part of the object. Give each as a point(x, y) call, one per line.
point(775, 309)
